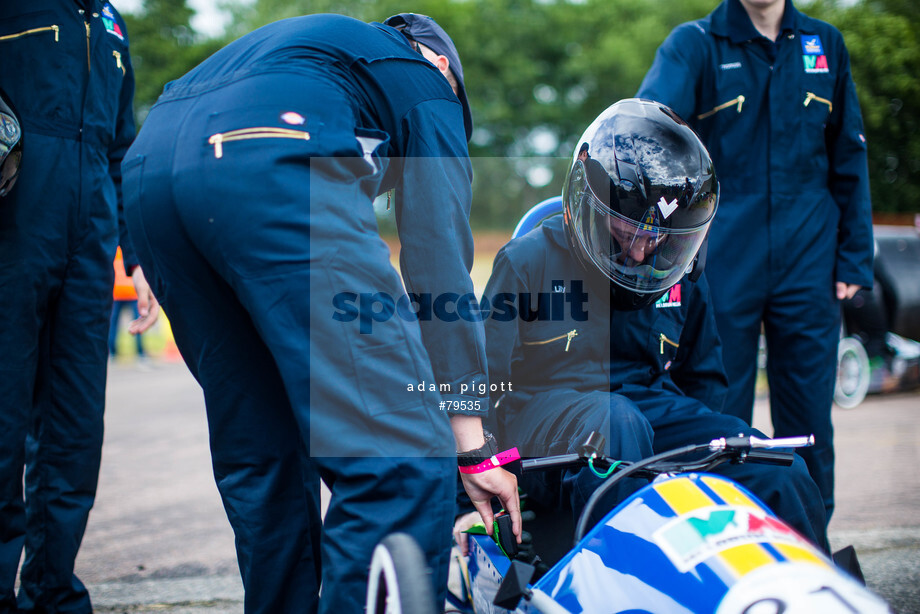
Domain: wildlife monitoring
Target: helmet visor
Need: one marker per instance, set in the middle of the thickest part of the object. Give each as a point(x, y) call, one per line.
point(641, 257)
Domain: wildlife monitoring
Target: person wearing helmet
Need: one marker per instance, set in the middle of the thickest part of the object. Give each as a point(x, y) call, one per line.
point(66, 120)
point(770, 92)
point(249, 193)
point(642, 363)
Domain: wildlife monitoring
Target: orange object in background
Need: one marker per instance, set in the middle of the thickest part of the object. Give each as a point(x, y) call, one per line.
point(124, 287)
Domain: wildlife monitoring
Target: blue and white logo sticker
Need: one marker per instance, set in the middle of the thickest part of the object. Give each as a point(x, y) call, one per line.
point(811, 45)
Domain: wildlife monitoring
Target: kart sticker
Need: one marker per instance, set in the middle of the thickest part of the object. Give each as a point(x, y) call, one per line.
point(706, 532)
point(108, 20)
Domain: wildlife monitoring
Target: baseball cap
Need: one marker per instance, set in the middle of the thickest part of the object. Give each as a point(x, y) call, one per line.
point(425, 30)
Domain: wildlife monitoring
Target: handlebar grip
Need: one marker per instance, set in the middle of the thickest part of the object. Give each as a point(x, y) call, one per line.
point(551, 462)
point(504, 535)
point(771, 457)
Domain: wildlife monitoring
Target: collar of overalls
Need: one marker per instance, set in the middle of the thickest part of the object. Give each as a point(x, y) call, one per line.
point(730, 20)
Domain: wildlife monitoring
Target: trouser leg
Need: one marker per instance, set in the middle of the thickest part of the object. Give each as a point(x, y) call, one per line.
point(802, 336)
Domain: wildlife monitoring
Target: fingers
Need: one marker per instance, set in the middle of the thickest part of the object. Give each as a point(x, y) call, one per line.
point(845, 290)
point(149, 310)
point(147, 305)
point(485, 510)
point(461, 524)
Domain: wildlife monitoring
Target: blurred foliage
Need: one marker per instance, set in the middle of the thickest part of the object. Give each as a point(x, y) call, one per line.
point(163, 47)
point(539, 71)
point(883, 37)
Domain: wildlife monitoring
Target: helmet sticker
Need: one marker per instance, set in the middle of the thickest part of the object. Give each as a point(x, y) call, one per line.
point(667, 208)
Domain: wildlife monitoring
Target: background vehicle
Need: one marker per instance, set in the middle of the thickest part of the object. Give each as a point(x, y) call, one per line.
point(880, 347)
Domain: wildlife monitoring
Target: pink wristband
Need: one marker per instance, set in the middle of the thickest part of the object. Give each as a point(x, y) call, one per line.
point(502, 458)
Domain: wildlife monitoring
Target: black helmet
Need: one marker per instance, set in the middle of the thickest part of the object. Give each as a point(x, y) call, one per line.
point(10, 146)
point(638, 199)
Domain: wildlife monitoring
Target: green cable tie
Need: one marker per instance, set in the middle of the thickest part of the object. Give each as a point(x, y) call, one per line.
point(610, 470)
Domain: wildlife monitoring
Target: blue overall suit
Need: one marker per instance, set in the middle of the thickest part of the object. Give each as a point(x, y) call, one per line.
point(66, 69)
point(249, 195)
point(782, 123)
point(648, 380)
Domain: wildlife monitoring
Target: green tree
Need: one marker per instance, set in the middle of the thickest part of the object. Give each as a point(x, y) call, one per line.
point(883, 37)
point(164, 46)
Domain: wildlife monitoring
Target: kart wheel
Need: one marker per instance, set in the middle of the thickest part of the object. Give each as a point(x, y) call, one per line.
point(399, 581)
point(852, 373)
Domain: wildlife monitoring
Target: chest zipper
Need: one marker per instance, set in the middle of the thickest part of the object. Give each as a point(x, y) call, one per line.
point(217, 140)
point(809, 97)
point(664, 339)
point(568, 339)
point(118, 63)
point(89, 66)
point(55, 29)
point(725, 105)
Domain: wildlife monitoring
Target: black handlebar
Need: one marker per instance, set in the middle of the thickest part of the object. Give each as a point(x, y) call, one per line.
point(726, 449)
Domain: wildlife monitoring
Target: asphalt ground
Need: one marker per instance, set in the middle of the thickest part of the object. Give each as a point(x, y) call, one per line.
point(158, 540)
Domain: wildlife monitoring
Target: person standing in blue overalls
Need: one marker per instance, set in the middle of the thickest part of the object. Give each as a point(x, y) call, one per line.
point(66, 68)
point(619, 338)
point(249, 195)
point(769, 91)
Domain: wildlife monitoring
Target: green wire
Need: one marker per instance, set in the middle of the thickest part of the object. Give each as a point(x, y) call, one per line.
point(610, 470)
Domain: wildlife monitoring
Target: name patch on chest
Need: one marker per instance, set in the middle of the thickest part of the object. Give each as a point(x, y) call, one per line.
point(813, 55)
point(671, 298)
point(108, 20)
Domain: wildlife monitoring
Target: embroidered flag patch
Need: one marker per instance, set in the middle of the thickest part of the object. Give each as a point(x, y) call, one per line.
point(108, 20)
point(813, 55)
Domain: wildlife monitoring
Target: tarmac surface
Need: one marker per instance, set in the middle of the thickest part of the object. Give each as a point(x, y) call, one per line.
point(158, 539)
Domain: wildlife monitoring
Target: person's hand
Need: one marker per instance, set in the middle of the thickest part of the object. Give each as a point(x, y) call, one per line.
point(148, 307)
point(845, 290)
point(481, 487)
point(461, 524)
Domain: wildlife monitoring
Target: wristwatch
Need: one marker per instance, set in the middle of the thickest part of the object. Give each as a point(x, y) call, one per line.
point(484, 453)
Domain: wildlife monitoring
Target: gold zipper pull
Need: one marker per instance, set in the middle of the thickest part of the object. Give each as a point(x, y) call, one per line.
point(664, 339)
point(57, 31)
point(118, 63)
point(725, 105)
point(216, 140)
point(809, 96)
point(569, 336)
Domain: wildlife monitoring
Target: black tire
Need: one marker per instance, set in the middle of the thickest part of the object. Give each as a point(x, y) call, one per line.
point(399, 581)
point(852, 373)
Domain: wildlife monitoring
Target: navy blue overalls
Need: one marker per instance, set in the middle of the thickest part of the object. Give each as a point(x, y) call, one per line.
point(782, 123)
point(65, 66)
point(648, 380)
point(249, 194)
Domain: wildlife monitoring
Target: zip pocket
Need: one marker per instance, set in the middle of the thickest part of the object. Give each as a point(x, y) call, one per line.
point(118, 63)
point(725, 105)
point(30, 32)
point(664, 339)
point(810, 96)
point(217, 140)
point(567, 336)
